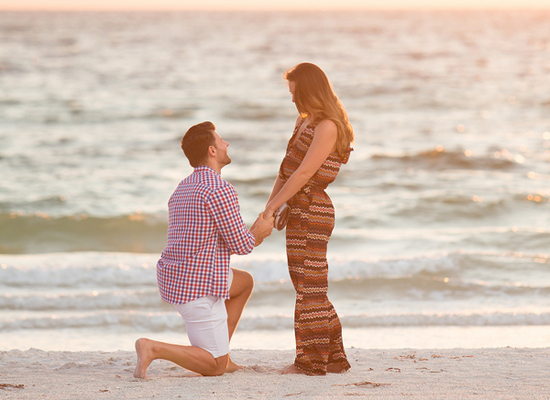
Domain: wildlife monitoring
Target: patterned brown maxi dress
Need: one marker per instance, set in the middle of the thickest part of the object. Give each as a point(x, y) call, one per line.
point(316, 325)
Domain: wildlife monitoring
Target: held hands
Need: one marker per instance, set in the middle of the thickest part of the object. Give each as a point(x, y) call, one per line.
point(262, 228)
point(268, 212)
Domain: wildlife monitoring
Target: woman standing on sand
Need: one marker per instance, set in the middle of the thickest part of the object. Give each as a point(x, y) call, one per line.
point(318, 147)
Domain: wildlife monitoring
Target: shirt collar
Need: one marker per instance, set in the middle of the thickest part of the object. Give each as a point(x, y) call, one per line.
point(206, 169)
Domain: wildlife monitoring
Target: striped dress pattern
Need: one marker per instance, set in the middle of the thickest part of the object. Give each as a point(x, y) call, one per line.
point(316, 325)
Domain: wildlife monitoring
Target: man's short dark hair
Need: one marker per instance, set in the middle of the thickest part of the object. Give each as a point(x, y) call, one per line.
point(196, 141)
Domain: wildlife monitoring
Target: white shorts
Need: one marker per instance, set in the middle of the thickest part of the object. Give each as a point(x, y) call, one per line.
point(206, 323)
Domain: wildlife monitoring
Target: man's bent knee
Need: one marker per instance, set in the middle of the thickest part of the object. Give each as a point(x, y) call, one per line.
point(242, 280)
point(248, 279)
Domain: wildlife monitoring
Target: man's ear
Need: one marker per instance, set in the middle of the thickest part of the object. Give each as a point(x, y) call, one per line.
point(212, 151)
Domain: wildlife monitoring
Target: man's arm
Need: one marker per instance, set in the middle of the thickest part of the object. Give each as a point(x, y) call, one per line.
point(224, 206)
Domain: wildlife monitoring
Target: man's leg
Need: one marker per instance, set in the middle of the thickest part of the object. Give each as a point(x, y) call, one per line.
point(189, 357)
point(206, 324)
point(239, 293)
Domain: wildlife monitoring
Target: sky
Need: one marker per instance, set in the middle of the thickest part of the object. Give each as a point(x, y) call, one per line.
point(139, 5)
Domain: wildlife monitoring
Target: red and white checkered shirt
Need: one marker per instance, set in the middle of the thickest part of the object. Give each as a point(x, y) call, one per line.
point(204, 228)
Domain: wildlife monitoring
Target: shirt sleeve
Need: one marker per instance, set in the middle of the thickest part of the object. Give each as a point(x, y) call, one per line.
point(225, 209)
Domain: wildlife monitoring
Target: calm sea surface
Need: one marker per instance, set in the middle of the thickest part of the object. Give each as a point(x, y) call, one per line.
point(443, 226)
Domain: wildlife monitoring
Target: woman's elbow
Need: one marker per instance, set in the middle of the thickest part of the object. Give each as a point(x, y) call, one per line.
point(304, 175)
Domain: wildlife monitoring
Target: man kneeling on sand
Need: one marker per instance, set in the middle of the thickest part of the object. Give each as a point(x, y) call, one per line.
point(204, 228)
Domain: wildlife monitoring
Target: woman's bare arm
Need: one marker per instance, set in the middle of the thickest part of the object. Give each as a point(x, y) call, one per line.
point(324, 142)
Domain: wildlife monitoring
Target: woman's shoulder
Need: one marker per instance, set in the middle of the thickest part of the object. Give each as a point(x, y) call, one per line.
point(326, 124)
point(326, 127)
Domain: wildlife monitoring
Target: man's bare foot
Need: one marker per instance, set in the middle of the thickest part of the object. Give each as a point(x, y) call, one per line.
point(144, 357)
point(232, 366)
point(292, 369)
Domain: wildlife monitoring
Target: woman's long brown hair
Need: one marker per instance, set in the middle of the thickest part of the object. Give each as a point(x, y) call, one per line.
point(313, 95)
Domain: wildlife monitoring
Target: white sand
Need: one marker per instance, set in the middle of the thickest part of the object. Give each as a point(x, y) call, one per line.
point(505, 373)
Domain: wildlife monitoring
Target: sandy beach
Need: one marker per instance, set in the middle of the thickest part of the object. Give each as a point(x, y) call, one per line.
point(506, 373)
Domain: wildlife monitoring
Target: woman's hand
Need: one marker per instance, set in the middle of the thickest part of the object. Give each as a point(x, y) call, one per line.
point(268, 212)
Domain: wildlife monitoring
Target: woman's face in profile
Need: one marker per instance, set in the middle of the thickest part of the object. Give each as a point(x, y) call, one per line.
point(292, 88)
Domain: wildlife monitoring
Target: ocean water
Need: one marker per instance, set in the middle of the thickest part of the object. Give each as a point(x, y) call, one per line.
point(443, 230)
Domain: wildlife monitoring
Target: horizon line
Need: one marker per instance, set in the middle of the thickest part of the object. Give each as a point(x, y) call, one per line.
point(287, 9)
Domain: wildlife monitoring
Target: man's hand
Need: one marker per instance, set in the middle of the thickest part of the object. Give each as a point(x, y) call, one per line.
point(261, 228)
